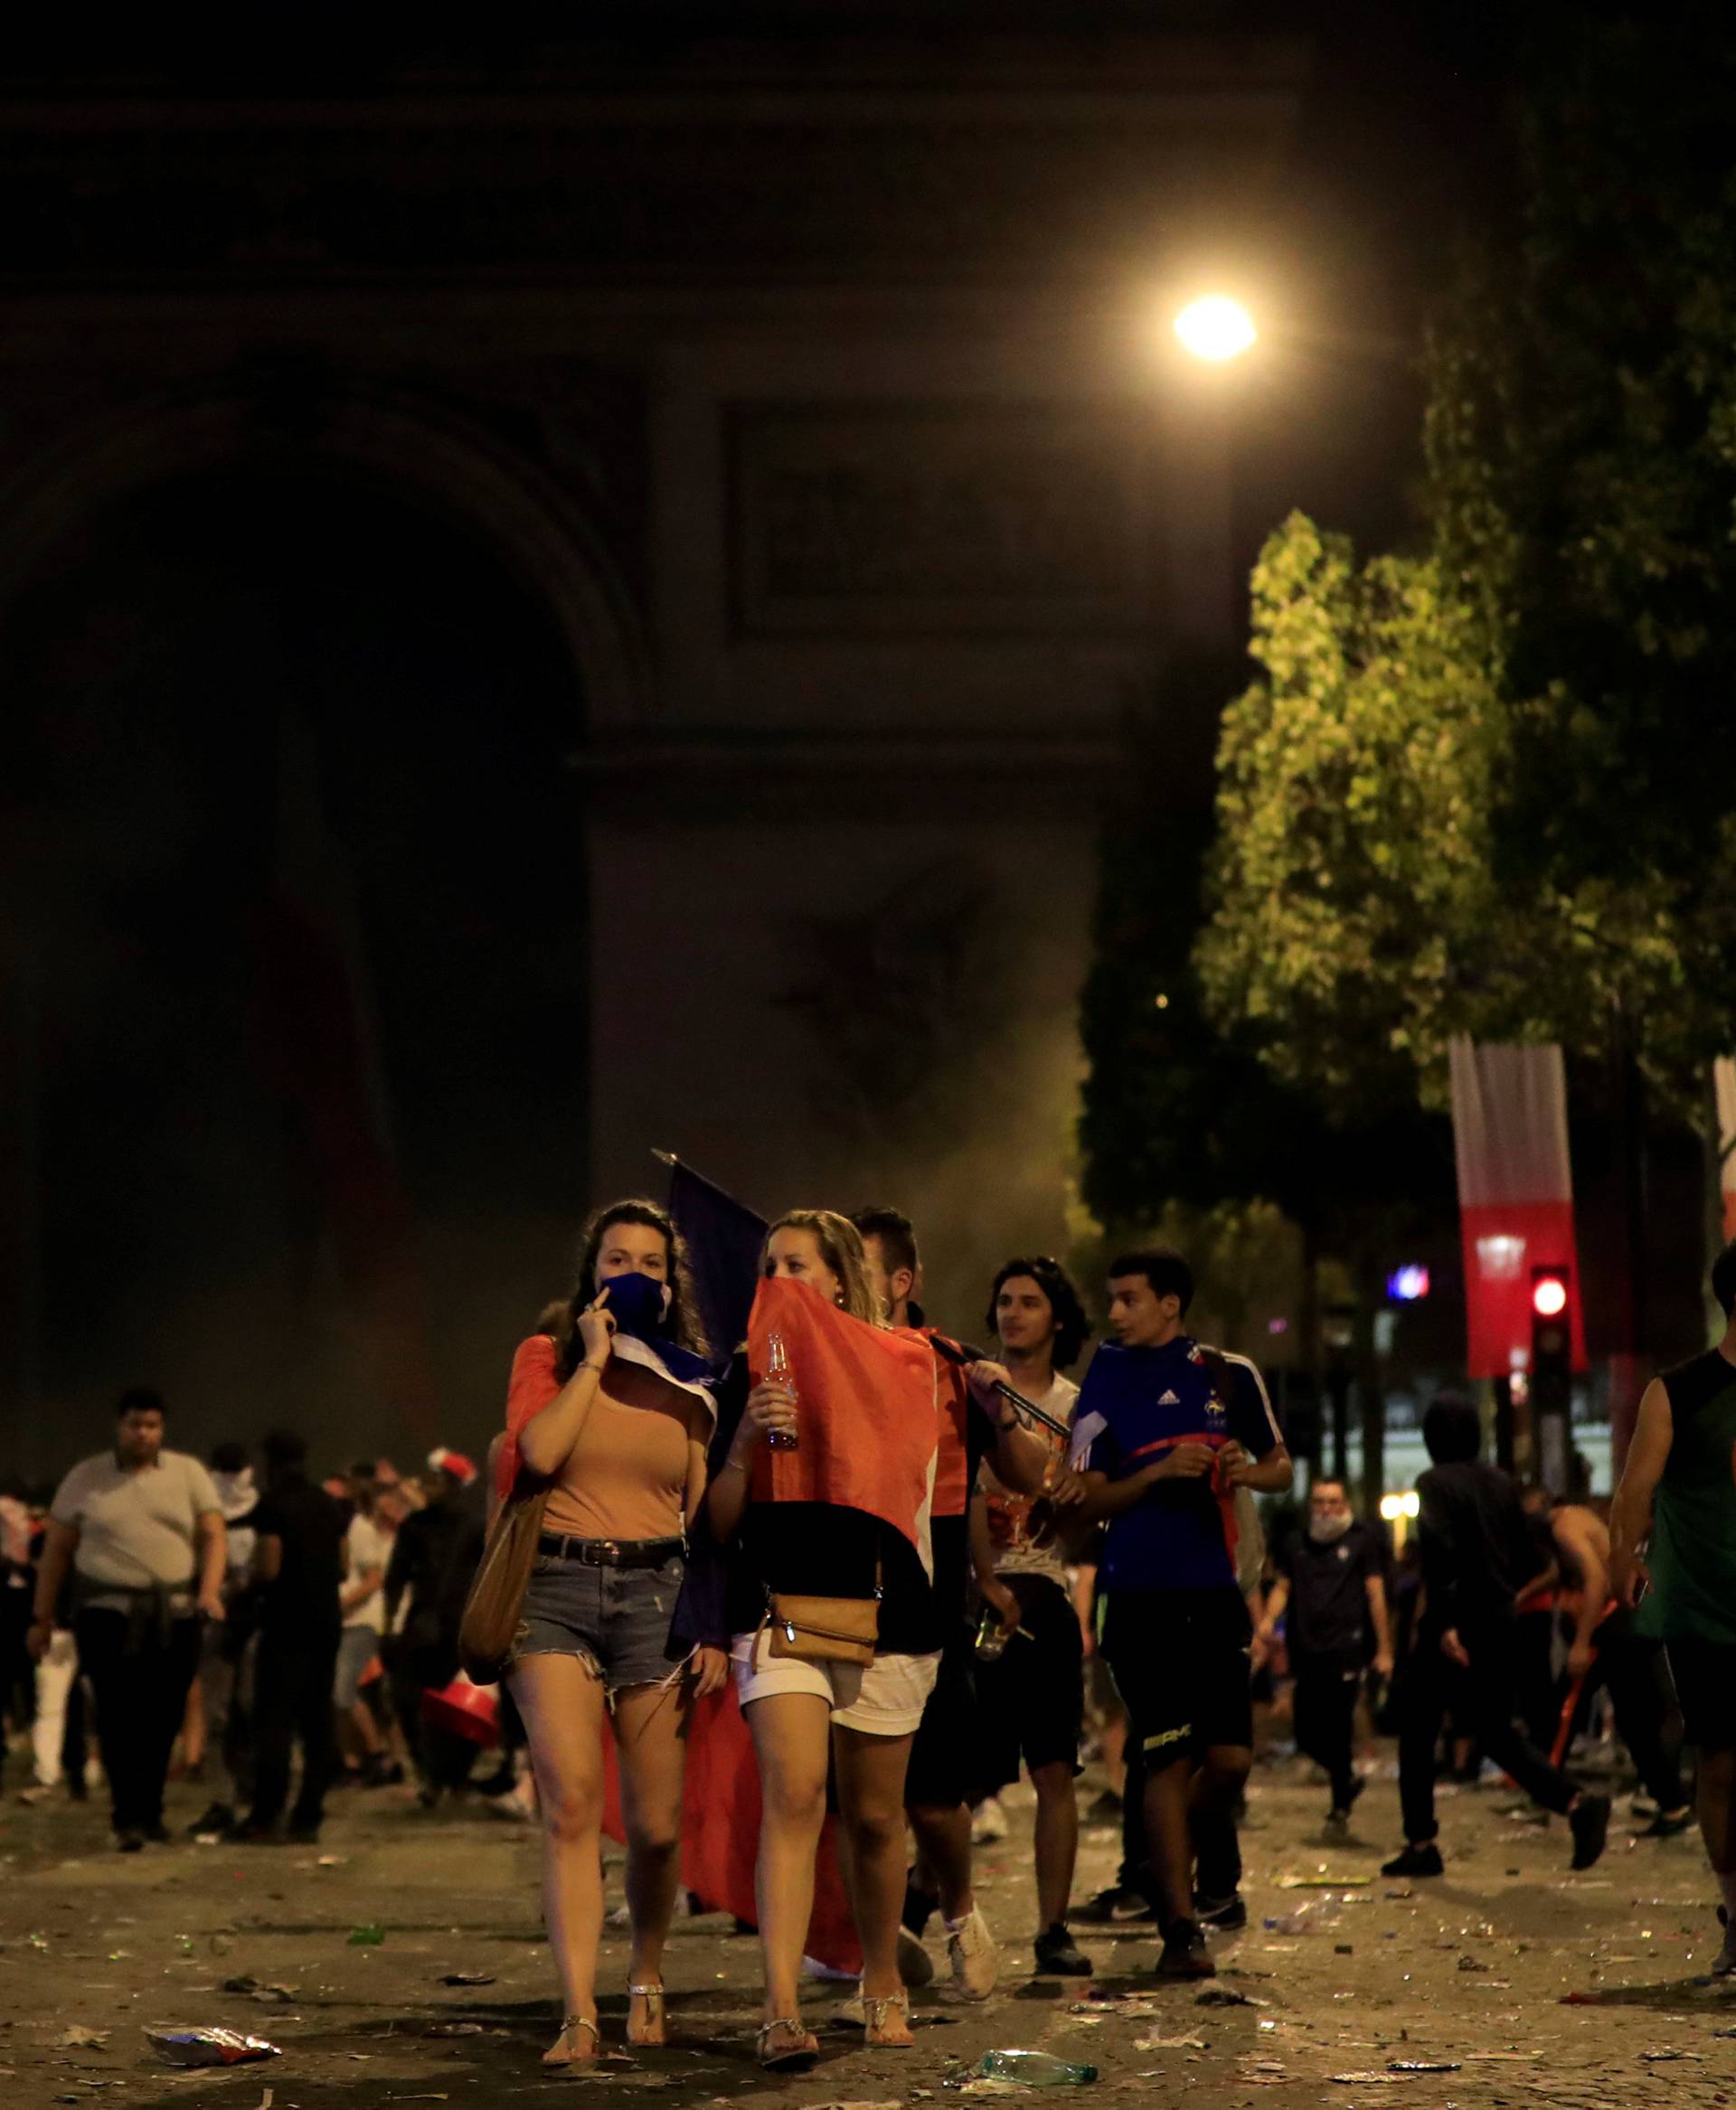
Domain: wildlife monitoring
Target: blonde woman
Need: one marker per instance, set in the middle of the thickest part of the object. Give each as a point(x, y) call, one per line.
point(802, 1713)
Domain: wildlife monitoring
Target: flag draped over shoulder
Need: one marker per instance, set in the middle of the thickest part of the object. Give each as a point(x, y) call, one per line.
point(866, 1411)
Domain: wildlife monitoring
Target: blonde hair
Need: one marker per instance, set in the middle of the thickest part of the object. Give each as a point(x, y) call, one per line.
point(840, 1247)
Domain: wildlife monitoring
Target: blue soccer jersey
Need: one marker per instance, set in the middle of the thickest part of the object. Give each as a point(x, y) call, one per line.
point(1138, 1403)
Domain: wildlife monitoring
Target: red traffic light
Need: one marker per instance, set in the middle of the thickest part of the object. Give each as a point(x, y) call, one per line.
point(1549, 1291)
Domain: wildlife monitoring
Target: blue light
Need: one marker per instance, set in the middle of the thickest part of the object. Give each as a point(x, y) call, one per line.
point(1408, 1284)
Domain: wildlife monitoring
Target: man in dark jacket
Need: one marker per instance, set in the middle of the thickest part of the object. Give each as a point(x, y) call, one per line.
point(433, 1561)
point(1477, 1550)
point(299, 1558)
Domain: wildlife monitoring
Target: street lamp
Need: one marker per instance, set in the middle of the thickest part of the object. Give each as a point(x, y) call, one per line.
point(1216, 328)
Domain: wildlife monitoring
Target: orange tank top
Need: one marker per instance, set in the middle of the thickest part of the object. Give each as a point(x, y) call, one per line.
point(626, 1475)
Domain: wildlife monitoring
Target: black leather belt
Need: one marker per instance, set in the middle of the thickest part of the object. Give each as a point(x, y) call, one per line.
point(609, 1552)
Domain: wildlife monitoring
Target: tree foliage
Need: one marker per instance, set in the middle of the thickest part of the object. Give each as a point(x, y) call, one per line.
point(1482, 787)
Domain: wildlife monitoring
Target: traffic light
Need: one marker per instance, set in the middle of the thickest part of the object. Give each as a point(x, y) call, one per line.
point(1552, 1370)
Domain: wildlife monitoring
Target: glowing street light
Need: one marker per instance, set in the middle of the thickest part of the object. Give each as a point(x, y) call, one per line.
point(1215, 329)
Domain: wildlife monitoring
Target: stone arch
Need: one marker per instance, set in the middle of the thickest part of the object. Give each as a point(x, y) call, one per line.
point(390, 437)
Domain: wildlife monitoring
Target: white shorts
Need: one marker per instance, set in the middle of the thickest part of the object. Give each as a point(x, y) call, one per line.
point(882, 1699)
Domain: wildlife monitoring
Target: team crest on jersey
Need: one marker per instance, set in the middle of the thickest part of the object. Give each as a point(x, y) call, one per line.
point(1214, 1408)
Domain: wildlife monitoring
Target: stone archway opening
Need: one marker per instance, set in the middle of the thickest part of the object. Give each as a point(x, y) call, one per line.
point(296, 909)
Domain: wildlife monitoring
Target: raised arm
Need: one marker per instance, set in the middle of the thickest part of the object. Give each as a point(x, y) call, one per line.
point(546, 1440)
point(1630, 1517)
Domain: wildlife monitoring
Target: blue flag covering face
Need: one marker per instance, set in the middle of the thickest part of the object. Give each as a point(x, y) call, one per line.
point(639, 1304)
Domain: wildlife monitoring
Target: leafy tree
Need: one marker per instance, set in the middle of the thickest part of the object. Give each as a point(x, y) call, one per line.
point(1478, 788)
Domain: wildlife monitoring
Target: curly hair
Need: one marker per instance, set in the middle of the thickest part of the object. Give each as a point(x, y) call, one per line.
point(840, 1247)
point(561, 1319)
point(1071, 1327)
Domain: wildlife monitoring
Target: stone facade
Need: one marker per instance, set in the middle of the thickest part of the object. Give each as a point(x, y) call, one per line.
point(816, 407)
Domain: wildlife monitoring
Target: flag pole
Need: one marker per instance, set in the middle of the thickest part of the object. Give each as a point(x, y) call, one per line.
point(956, 1353)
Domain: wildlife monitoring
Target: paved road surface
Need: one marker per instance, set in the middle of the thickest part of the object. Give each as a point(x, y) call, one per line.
point(1471, 1970)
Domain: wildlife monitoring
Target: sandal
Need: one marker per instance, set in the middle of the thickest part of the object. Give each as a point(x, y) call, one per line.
point(886, 2018)
point(799, 2056)
point(569, 2023)
point(650, 2030)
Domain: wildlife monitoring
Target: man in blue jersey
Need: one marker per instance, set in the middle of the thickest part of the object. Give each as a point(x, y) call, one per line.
point(1166, 1431)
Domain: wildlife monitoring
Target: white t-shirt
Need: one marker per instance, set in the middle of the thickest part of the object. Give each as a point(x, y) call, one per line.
point(137, 1530)
point(1017, 1551)
point(369, 1548)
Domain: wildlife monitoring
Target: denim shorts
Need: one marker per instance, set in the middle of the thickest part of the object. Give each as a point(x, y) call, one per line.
point(615, 1619)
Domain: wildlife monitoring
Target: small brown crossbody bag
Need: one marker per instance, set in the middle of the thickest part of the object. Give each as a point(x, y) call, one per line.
point(825, 1630)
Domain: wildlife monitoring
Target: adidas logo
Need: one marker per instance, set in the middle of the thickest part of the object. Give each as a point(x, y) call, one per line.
point(1169, 1399)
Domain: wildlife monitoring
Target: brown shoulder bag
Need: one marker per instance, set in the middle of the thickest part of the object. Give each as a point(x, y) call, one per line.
point(495, 1604)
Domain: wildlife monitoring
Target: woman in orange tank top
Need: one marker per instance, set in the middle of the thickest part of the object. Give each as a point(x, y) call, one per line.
point(609, 1413)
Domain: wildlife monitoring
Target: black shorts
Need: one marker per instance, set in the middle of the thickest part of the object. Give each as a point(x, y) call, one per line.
point(940, 1769)
point(1706, 1684)
point(1180, 1664)
point(1031, 1702)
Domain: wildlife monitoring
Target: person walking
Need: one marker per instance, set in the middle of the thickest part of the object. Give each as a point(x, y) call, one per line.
point(1605, 1651)
point(433, 1557)
point(808, 1714)
point(1166, 1431)
point(1673, 1557)
point(1478, 1549)
point(141, 1531)
point(1331, 1597)
point(1031, 1697)
point(362, 1604)
point(975, 1425)
point(298, 1558)
point(609, 1408)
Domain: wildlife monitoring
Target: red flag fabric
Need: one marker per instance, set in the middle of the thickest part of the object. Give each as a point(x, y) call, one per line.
point(720, 1830)
point(1515, 1196)
point(865, 1408)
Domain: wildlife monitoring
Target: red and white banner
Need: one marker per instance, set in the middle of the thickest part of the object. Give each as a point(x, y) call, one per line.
point(1515, 1196)
point(1723, 1081)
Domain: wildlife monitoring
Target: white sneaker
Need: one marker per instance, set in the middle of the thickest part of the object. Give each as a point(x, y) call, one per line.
point(915, 1966)
point(970, 1950)
point(989, 1824)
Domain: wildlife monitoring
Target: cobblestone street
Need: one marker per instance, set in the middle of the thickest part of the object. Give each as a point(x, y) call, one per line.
point(1470, 1972)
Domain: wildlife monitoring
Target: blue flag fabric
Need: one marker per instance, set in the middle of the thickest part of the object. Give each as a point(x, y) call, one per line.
point(724, 1239)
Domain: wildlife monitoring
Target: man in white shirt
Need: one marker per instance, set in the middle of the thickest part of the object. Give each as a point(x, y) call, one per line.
point(142, 1530)
point(363, 1603)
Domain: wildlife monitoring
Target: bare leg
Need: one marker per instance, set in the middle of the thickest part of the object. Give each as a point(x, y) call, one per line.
point(871, 1804)
point(789, 1732)
point(193, 1729)
point(1112, 1742)
point(943, 1853)
point(1057, 1840)
point(364, 1728)
point(650, 1735)
point(1168, 1844)
point(560, 1699)
point(1715, 1796)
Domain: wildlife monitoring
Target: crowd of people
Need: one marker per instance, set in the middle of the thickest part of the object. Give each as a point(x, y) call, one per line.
point(988, 1567)
point(201, 1621)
